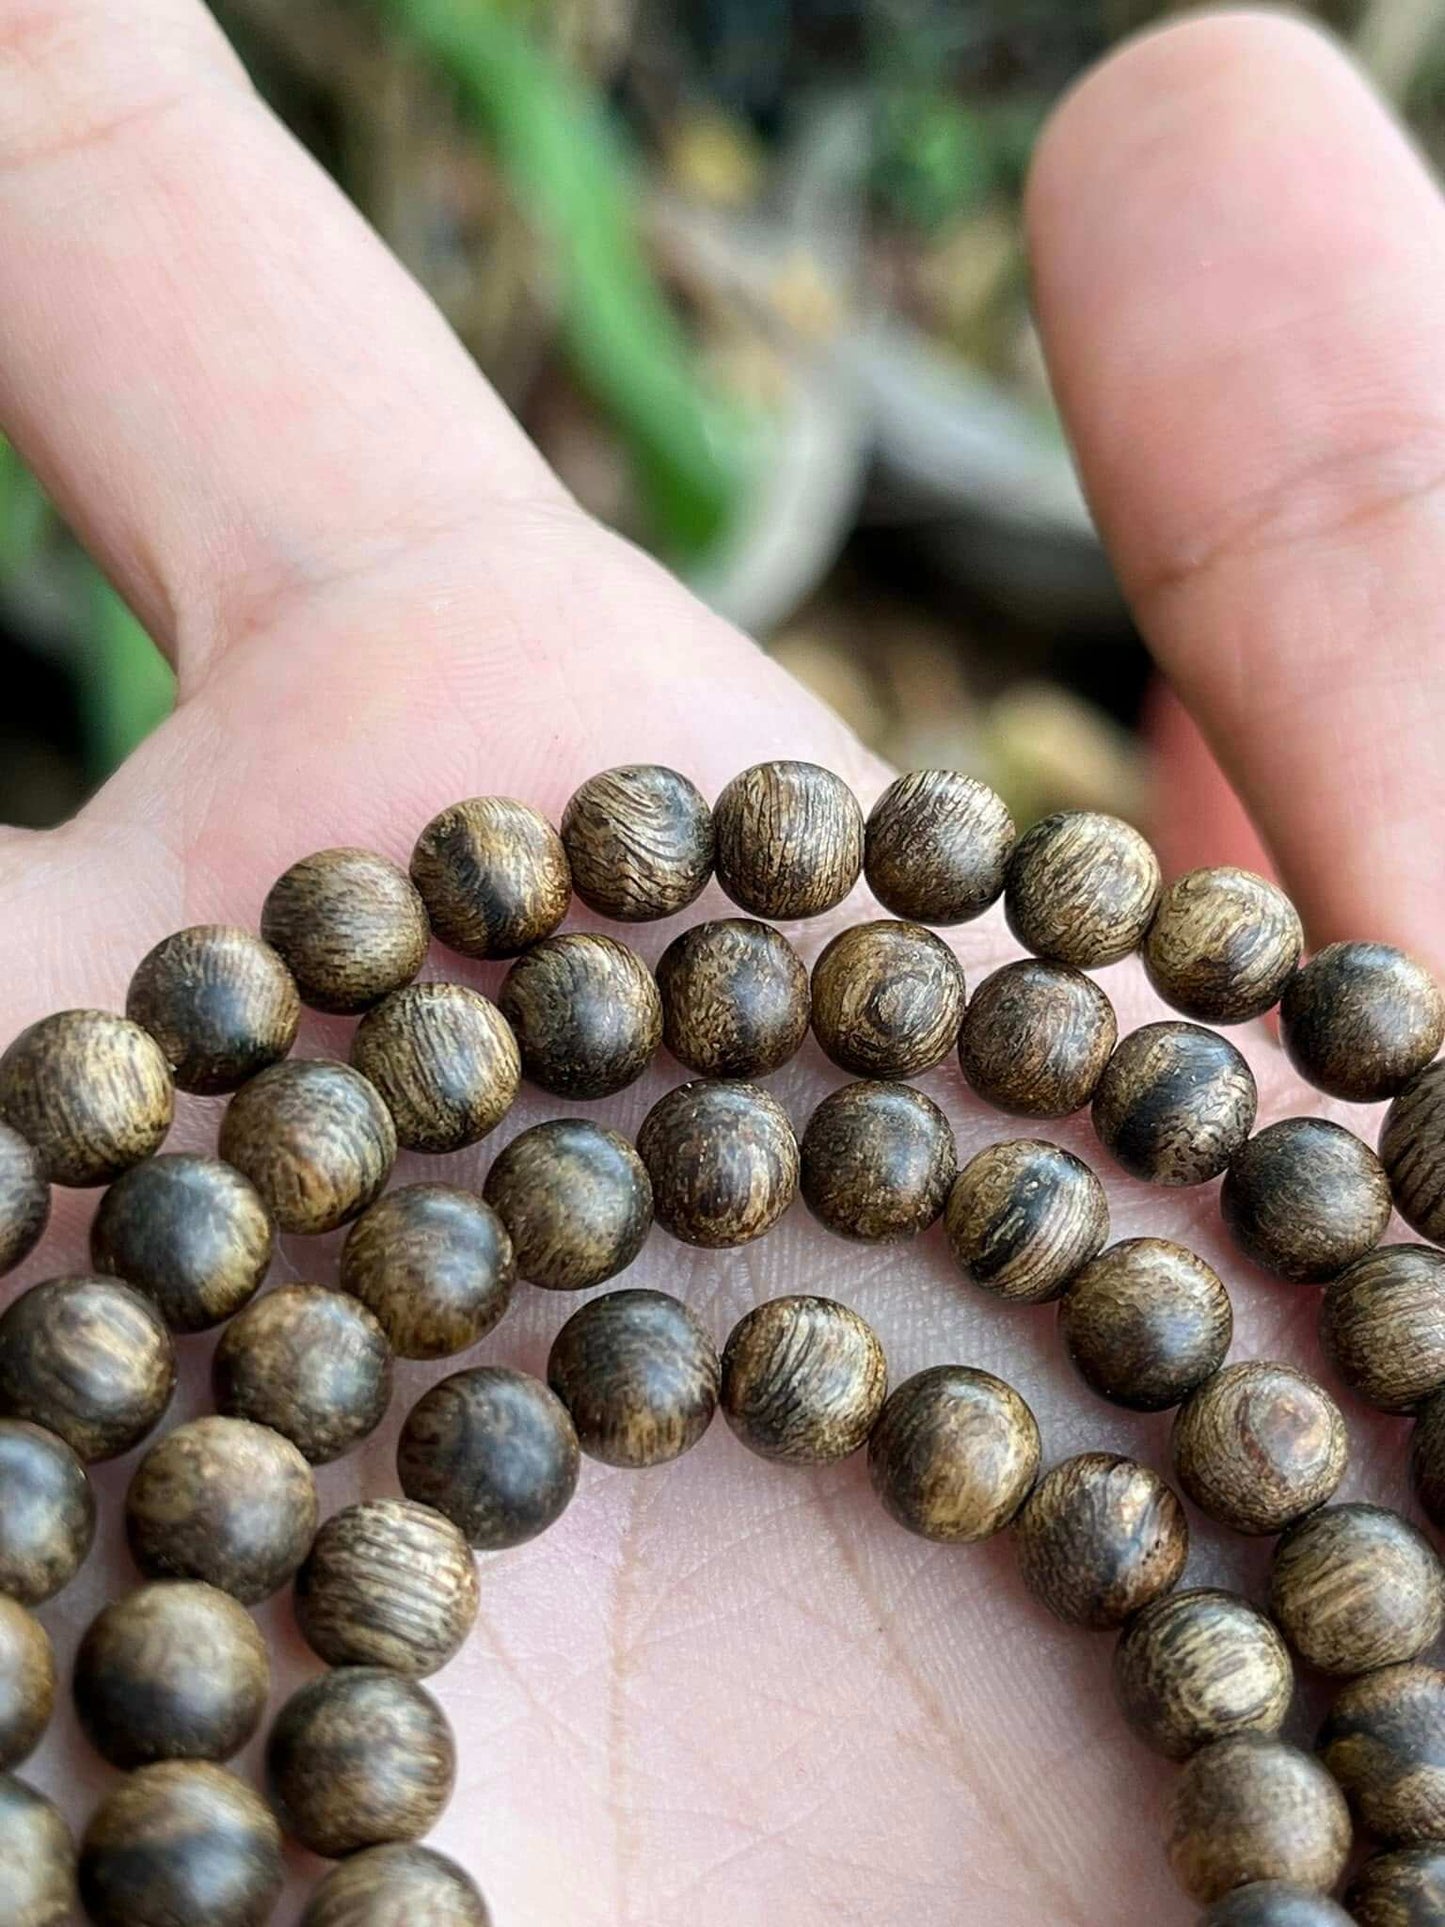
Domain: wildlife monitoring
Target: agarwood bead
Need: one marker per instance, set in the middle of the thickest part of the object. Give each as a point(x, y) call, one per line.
point(735, 998)
point(47, 1522)
point(1275, 1903)
point(723, 1162)
point(359, 1758)
point(937, 845)
point(1036, 1037)
point(1382, 1325)
point(494, 1451)
point(181, 1841)
point(954, 1454)
point(1401, 1889)
point(1354, 1587)
point(576, 1202)
point(586, 1013)
point(173, 1671)
point(789, 840)
point(27, 1682)
point(1081, 889)
point(639, 842)
point(24, 1198)
point(400, 1885)
point(1145, 1323)
point(433, 1265)
point(92, 1093)
point(803, 1380)
point(315, 1139)
point(1223, 945)
point(1247, 1808)
point(1259, 1445)
point(1412, 1150)
point(1196, 1666)
point(37, 1858)
point(888, 999)
point(224, 1501)
point(220, 1003)
point(639, 1375)
point(1384, 1741)
point(1023, 1217)
point(1304, 1198)
point(1098, 1538)
point(387, 1583)
point(493, 875)
point(1360, 1019)
point(877, 1162)
point(1427, 1457)
point(189, 1232)
point(1175, 1103)
point(445, 1061)
point(90, 1360)
point(312, 1364)
point(350, 925)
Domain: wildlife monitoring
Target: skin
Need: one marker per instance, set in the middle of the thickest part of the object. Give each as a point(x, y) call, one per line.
point(299, 480)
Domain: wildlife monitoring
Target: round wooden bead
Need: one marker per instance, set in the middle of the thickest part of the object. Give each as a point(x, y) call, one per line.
point(877, 1162)
point(24, 1198)
point(312, 1364)
point(396, 1886)
point(1305, 1198)
point(1382, 1325)
point(445, 1061)
point(224, 1501)
point(315, 1139)
point(189, 1232)
point(639, 1375)
point(92, 1093)
point(1384, 1741)
point(1275, 1903)
point(1412, 1150)
point(954, 1454)
point(789, 840)
point(358, 1758)
point(576, 1202)
point(494, 1451)
point(723, 1162)
point(639, 842)
point(803, 1380)
point(1098, 1538)
point(937, 845)
point(1259, 1445)
point(1175, 1103)
point(888, 999)
point(433, 1265)
point(493, 875)
point(735, 998)
point(90, 1360)
point(220, 1003)
point(1035, 1039)
point(47, 1522)
point(1354, 1587)
point(37, 1858)
point(387, 1583)
point(586, 1013)
point(1081, 889)
point(1401, 1889)
point(1023, 1217)
point(1360, 1019)
point(1249, 1808)
point(1223, 945)
point(27, 1682)
point(1196, 1666)
point(350, 925)
point(1145, 1323)
point(181, 1841)
point(1427, 1457)
point(173, 1671)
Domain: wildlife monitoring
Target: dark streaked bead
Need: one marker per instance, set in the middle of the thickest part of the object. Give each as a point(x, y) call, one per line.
point(639, 842)
point(1036, 1037)
point(189, 1232)
point(181, 1841)
point(433, 1264)
point(315, 1139)
point(789, 840)
point(92, 1093)
point(1354, 1587)
point(1175, 1103)
point(1360, 1019)
point(937, 845)
point(723, 1162)
point(888, 999)
point(1259, 1445)
point(1384, 1741)
point(350, 925)
point(493, 875)
point(1196, 1666)
point(1427, 1457)
point(1146, 1323)
point(1082, 889)
point(1248, 1808)
point(576, 1202)
point(27, 1682)
point(586, 1014)
point(387, 1583)
point(1023, 1217)
point(445, 1061)
point(312, 1364)
point(877, 1162)
point(24, 1198)
point(1401, 1889)
point(47, 1522)
point(639, 1375)
point(1305, 1198)
point(735, 998)
point(1098, 1538)
point(37, 1858)
point(220, 1003)
point(395, 1886)
point(1223, 945)
point(954, 1454)
point(1275, 1903)
point(90, 1360)
point(495, 1451)
point(1382, 1325)
point(803, 1380)
point(1412, 1150)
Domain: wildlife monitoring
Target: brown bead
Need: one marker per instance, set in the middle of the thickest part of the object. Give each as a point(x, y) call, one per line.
point(803, 1380)
point(388, 1583)
point(1196, 1666)
point(315, 1139)
point(445, 1061)
point(789, 840)
point(47, 1522)
point(1249, 1808)
point(312, 1364)
point(91, 1092)
point(350, 925)
point(576, 1202)
point(27, 1682)
point(877, 1162)
point(220, 1003)
point(1275, 1903)
point(723, 1162)
point(1175, 1103)
point(493, 875)
point(1384, 1741)
point(1081, 889)
point(1427, 1457)
point(173, 1671)
point(1401, 1889)
point(1382, 1325)
point(1305, 1198)
point(494, 1451)
point(400, 1885)
point(1223, 945)
point(1259, 1445)
point(888, 999)
point(1356, 1586)
point(735, 998)
point(937, 846)
point(90, 1360)
point(24, 1198)
point(181, 1841)
point(433, 1265)
point(37, 1858)
point(1035, 1039)
point(639, 1375)
point(1146, 1323)
point(586, 1013)
point(954, 1454)
point(639, 842)
point(189, 1232)
point(358, 1758)
point(1412, 1150)
point(1098, 1538)
point(1023, 1217)
point(224, 1501)
point(1360, 1019)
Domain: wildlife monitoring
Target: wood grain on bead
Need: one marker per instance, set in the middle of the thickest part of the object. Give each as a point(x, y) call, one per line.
point(47, 1522)
point(1023, 1217)
point(639, 1375)
point(576, 1202)
point(735, 997)
point(1354, 1587)
point(387, 1583)
point(888, 1000)
point(723, 1162)
point(445, 1061)
point(1197, 1666)
point(183, 1841)
point(1405, 1888)
point(1145, 1323)
point(1081, 889)
point(954, 1454)
point(789, 840)
point(494, 1451)
point(1382, 1326)
point(1412, 1150)
point(92, 1093)
point(639, 842)
point(1248, 1808)
point(350, 925)
point(400, 1885)
point(37, 1858)
point(937, 845)
point(220, 1003)
point(312, 1364)
point(493, 875)
point(1098, 1538)
point(433, 1265)
point(1223, 945)
point(1035, 1039)
point(1304, 1198)
point(877, 1162)
point(1259, 1445)
point(189, 1232)
point(803, 1380)
point(1360, 1019)
point(315, 1139)
point(27, 1682)
point(586, 1013)
point(1427, 1457)
point(24, 1198)
point(88, 1359)
point(1275, 1903)
point(1175, 1103)
point(1384, 1741)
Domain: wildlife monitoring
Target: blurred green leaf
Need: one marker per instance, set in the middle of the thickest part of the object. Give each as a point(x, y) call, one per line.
point(129, 687)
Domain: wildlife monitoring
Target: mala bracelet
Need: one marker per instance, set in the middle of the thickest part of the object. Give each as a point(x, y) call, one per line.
point(222, 1511)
